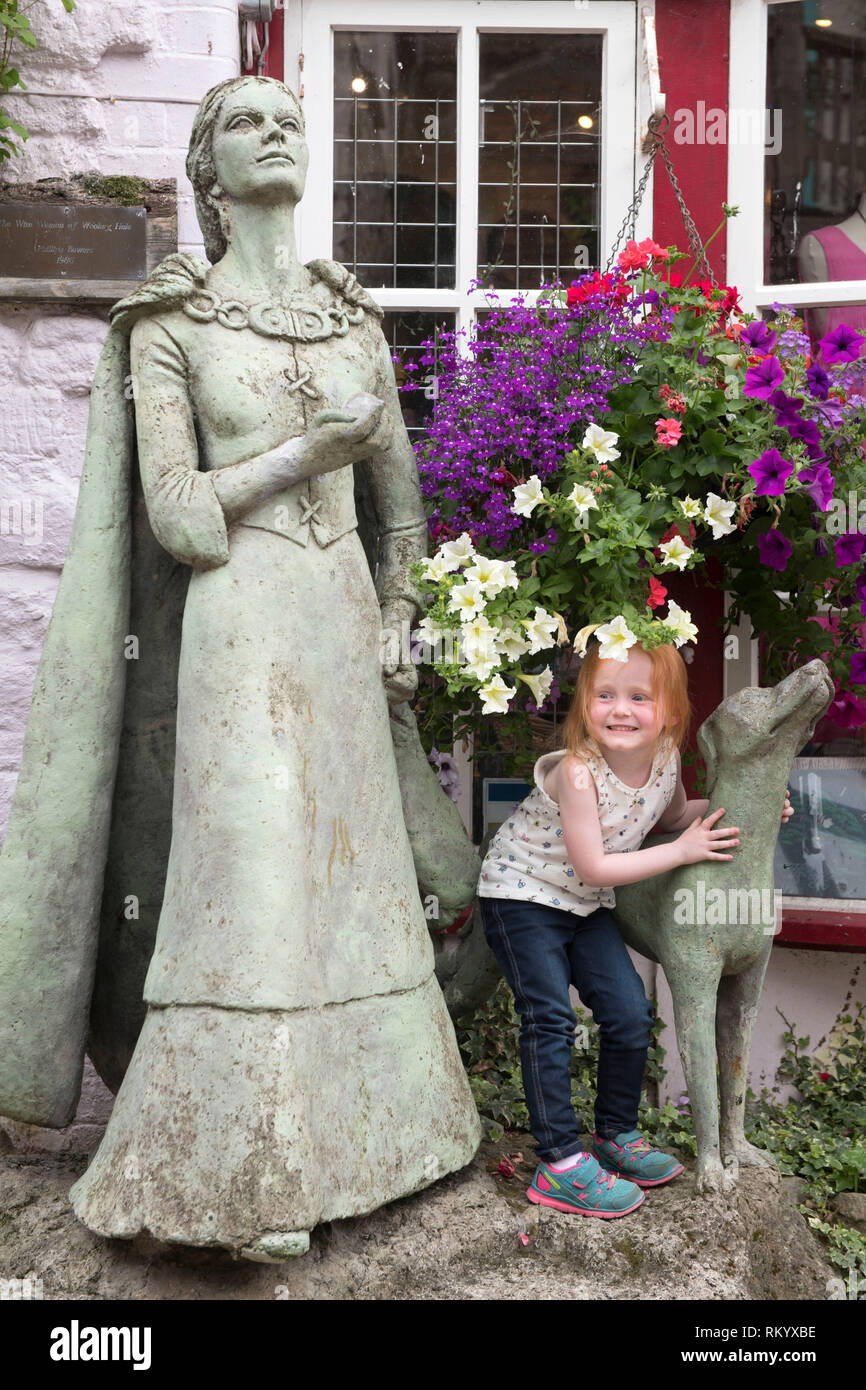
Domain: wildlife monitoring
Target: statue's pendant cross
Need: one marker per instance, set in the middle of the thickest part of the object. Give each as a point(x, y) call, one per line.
point(299, 383)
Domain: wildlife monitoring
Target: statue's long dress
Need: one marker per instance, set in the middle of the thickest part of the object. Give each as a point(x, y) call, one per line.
point(297, 1063)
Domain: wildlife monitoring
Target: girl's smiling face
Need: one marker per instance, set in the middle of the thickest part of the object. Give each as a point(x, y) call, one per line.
point(622, 710)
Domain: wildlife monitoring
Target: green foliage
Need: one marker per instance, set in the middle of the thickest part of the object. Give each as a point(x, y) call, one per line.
point(816, 1136)
point(16, 29)
point(819, 1134)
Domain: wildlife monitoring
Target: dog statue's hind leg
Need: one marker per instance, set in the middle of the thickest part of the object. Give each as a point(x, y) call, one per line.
point(736, 1011)
point(694, 996)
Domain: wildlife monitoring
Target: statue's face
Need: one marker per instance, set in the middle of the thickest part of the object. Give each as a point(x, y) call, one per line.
point(259, 149)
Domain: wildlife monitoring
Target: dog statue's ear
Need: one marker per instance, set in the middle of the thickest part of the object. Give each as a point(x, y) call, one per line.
point(707, 749)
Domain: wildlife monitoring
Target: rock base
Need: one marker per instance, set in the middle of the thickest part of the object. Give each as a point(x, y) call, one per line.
point(473, 1236)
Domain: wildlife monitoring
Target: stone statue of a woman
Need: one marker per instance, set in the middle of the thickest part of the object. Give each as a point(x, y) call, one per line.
point(296, 1063)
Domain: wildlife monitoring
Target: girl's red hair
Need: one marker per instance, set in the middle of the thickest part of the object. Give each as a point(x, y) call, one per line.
point(669, 682)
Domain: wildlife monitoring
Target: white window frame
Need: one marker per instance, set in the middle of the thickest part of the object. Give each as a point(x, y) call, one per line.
point(747, 91)
point(309, 28)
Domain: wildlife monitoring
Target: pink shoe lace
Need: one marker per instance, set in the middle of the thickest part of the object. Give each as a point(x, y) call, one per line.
point(639, 1146)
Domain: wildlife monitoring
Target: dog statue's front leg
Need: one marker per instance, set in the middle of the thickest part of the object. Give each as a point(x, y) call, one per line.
point(694, 996)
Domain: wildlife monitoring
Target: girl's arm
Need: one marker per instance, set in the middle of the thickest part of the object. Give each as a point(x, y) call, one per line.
point(578, 805)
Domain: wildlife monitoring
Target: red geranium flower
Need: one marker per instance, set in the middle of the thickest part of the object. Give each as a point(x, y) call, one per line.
point(633, 257)
point(657, 593)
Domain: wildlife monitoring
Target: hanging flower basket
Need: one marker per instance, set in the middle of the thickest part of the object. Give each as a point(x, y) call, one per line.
point(586, 447)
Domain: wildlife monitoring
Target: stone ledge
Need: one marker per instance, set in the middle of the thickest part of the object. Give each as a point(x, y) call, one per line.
point(458, 1240)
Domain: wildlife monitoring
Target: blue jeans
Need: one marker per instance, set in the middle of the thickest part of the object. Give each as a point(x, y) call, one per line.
point(542, 950)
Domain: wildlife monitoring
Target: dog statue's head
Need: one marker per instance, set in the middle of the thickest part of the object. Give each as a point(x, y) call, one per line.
point(754, 723)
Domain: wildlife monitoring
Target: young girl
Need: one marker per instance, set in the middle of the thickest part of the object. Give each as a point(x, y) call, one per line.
point(546, 894)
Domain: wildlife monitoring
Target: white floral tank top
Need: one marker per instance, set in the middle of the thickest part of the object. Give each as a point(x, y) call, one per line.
point(527, 858)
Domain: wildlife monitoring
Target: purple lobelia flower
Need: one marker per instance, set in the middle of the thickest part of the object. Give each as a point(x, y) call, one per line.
point(769, 472)
point(774, 550)
point(817, 480)
point(819, 382)
point(849, 549)
point(844, 344)
point(763, 379)
point(759, 336)
point(860, 591)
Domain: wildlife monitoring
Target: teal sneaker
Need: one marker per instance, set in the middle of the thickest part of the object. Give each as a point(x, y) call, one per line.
point(586, 1188)
point(631, 1156)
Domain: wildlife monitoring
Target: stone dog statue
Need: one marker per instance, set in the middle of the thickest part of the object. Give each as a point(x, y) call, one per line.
point(708, 925)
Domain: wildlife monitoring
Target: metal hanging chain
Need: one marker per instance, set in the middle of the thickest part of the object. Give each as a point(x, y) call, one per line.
point(656, 127)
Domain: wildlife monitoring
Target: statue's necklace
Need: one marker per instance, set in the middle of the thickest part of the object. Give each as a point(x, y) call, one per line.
point(304, 323)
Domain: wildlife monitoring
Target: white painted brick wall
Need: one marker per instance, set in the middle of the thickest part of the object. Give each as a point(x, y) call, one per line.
point(112, 89)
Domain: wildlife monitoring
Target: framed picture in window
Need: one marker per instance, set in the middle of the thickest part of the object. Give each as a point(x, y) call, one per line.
point(820, 862)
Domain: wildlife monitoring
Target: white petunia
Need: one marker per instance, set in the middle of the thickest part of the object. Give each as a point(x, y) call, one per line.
point(600, 442)
point(540, 630)
point(717, 514)
point(583, 637)
point(615, 638)
point(481, 667)
point(681, 620)
point(496, 695)
point(676, 552)
point(689, 506)
point(467, 600)
point(478, 641)
point(511, 642)
point(436, 568)
point(731, 359)
point(428, 630)
point(583, 498)
point(457, 553)
point(527, 496)
point(539, 685)
point(492, 575)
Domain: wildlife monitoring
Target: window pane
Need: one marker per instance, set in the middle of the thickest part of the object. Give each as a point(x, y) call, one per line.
point(405, 332)
point(815, 142)
point(540, 131)
point(395, 102)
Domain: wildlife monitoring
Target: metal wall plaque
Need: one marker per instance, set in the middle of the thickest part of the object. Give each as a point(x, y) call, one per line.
point(72, 240)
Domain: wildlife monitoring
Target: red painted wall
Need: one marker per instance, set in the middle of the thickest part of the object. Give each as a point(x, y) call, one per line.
point(274, 57)
point(693, 42)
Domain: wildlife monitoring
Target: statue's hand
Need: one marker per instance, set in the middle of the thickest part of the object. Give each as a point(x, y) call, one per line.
point(337, 438)
point(399, 672)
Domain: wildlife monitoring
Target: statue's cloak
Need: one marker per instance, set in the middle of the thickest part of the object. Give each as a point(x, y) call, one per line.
point(84, 859)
